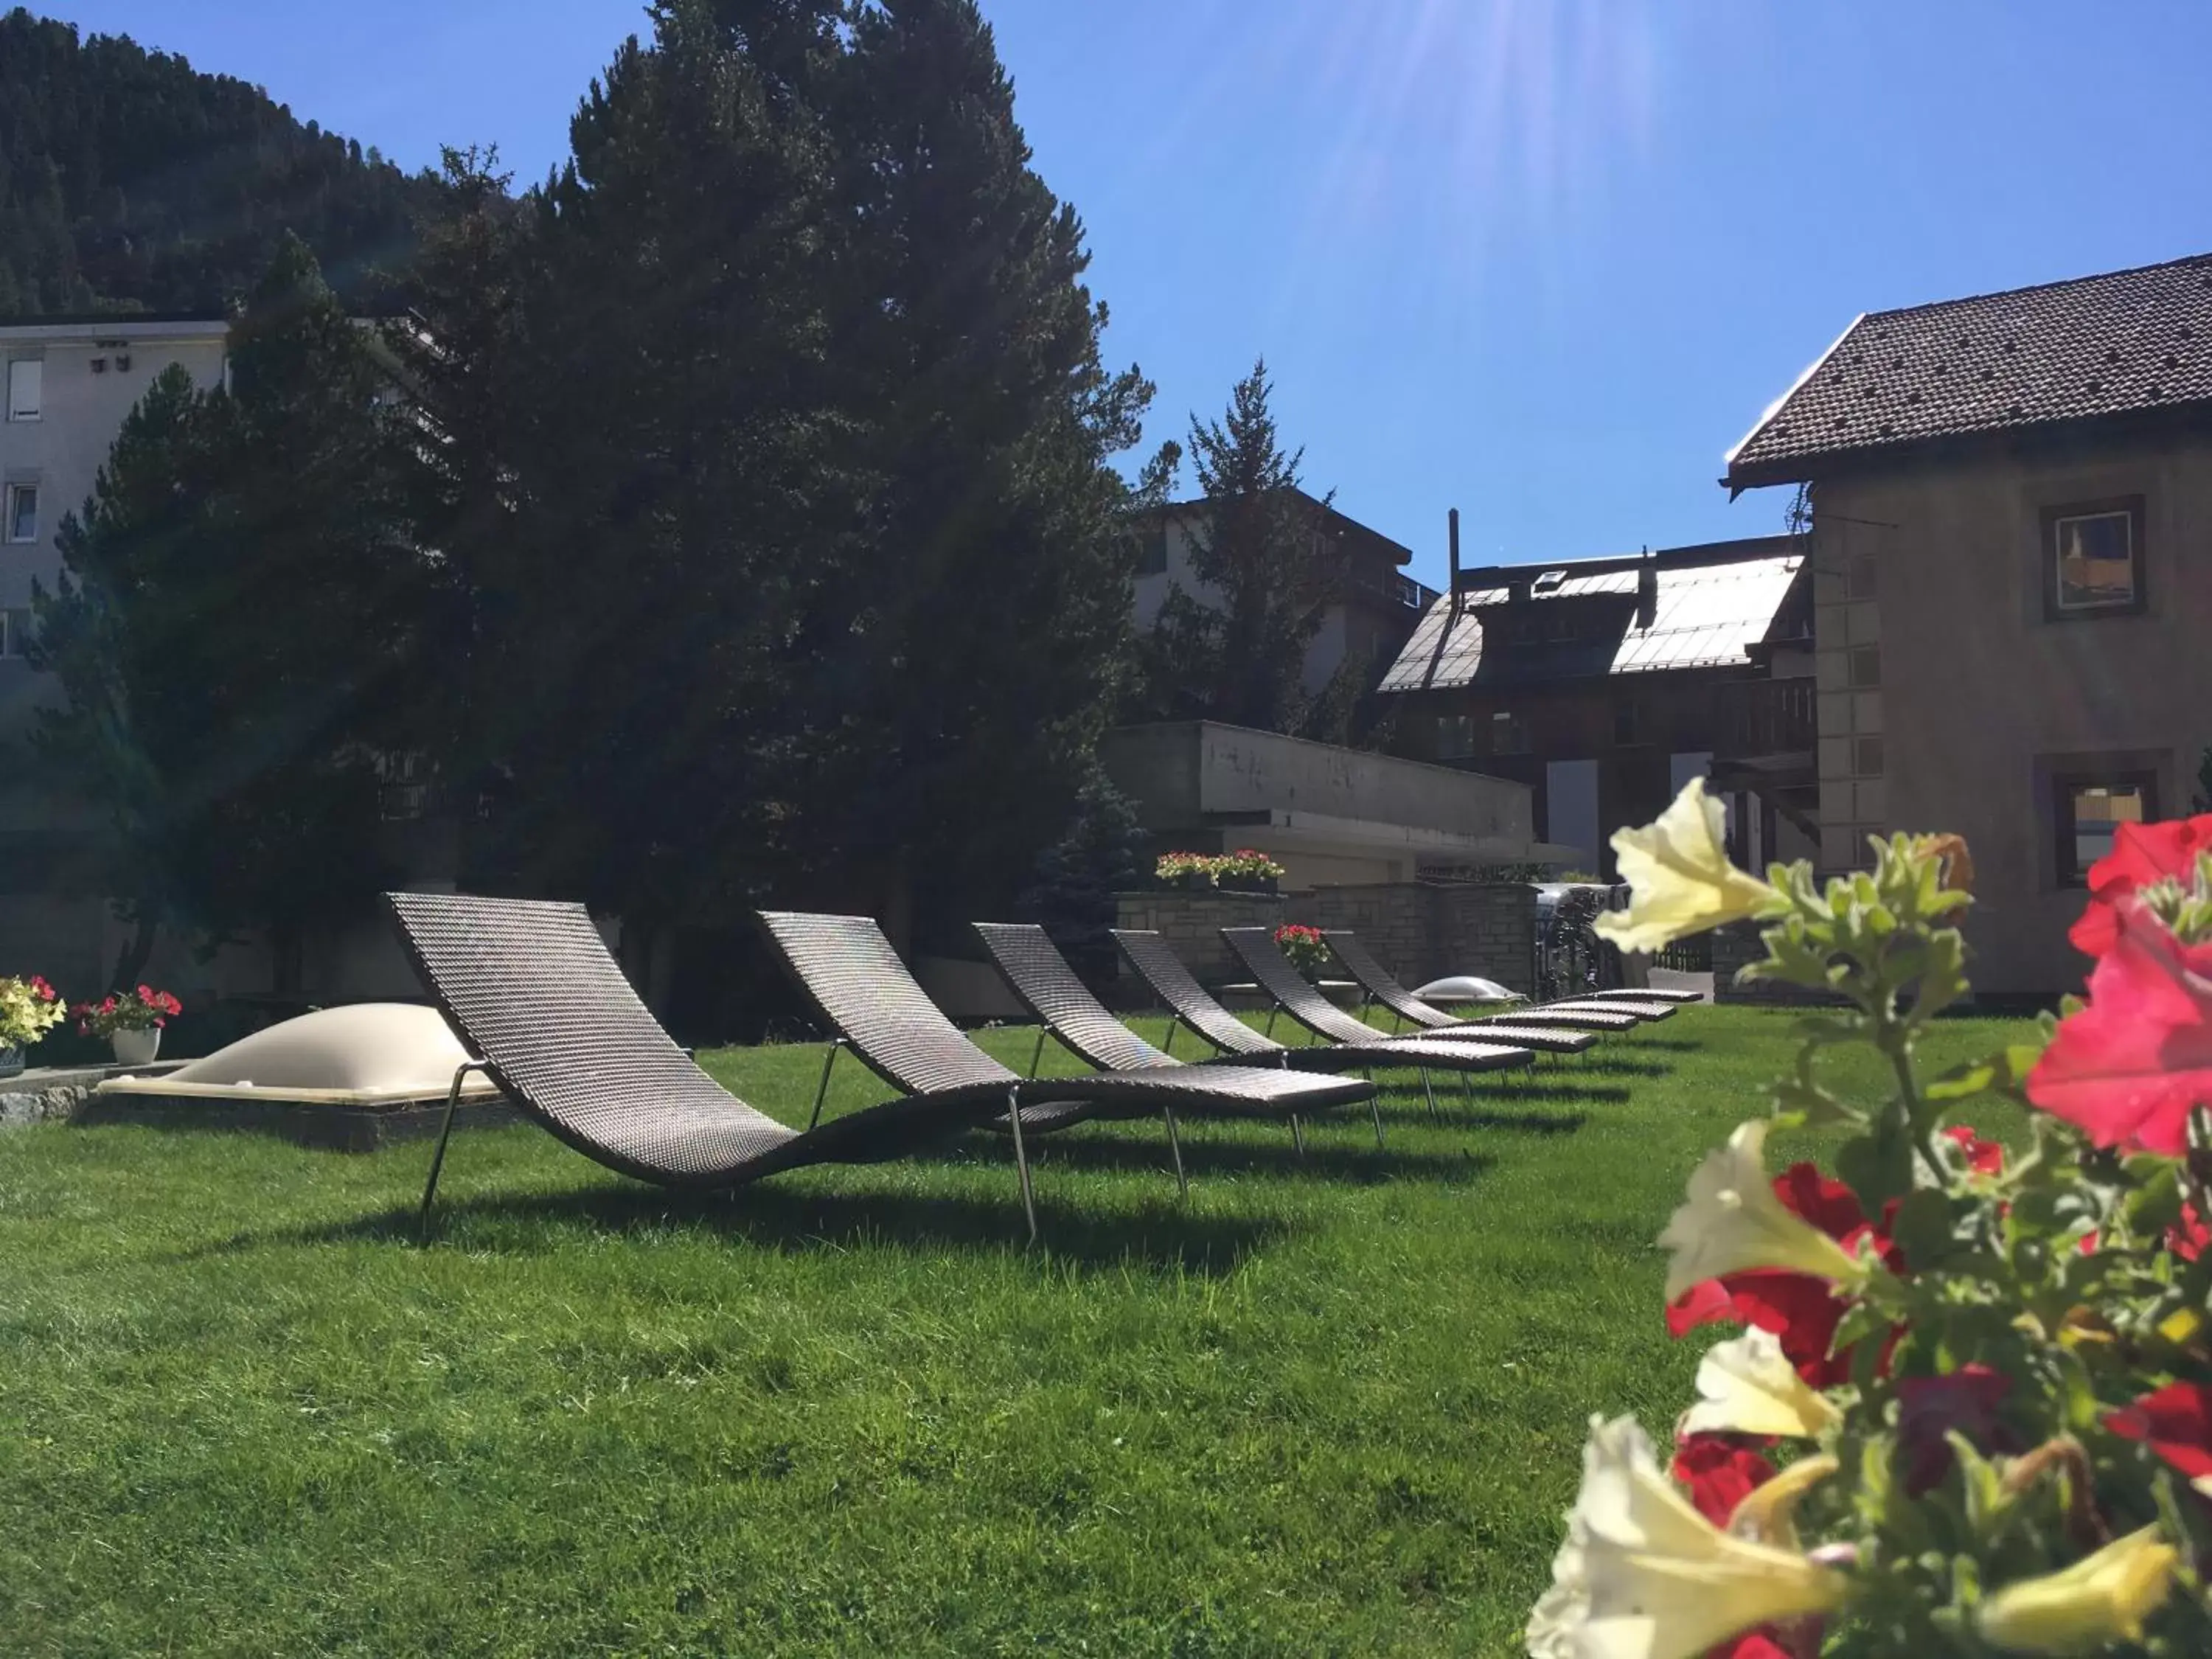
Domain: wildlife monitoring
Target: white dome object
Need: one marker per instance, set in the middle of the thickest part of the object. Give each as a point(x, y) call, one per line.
point(366, 1047)
point(1466, 987)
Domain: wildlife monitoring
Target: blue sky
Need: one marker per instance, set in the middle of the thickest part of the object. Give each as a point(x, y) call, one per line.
point(1544, 260)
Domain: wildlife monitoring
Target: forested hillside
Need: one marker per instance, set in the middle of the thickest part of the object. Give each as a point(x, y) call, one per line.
point(130, 181)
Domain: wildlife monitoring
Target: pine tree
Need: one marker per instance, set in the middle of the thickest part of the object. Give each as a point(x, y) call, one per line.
point(672, 485)
point(1259, 543)
point(980, 632)
point(1099, 855)
point(237, 629)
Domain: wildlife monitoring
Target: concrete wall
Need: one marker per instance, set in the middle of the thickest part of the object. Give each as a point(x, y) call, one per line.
point(1981, 700)
point(1181, 770)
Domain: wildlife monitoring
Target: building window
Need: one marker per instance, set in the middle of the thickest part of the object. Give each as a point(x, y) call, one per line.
point(1152, 553)
point(1866, 665)
point(1866, 755)
point(21, 513)
point(27, 379)
point(1508, 734)
point(15, 631)
point(2093, 559)
point(1455, 736)
point(1858, 577)
point(2090, 810)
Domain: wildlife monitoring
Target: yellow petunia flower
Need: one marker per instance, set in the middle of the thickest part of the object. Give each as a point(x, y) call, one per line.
point(1680, 880)
point(2100, 1600)
point(1644, 1576)
point(1750, 1387)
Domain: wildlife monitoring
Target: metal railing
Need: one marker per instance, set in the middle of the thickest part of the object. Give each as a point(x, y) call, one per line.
point(1764, 717)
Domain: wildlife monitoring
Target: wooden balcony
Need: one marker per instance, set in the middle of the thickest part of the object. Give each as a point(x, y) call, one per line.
point(1764, 720)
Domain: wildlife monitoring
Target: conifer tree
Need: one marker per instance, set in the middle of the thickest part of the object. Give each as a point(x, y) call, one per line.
point(236, 630)
point(1259, 542)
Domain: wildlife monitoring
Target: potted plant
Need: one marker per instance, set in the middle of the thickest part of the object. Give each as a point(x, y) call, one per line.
point(131, 1022)
point(1186, 870)
point(1247, 872)
point(1303, 947)
point(29, 1008)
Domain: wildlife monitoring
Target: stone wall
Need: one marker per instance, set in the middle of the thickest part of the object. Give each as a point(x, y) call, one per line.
point(1192, 923)
point(1735, 947)
point(1423, 931)
point(49, 1094)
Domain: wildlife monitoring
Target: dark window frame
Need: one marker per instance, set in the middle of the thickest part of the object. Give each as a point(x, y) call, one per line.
point(1152, 541)
point(1505, 727)
point(2063, 828)
point(2053, 516)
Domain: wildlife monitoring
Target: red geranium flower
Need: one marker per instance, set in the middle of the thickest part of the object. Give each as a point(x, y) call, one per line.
point(2175, 1422)
point(1929, 1407)
point(2143, 855)
point(1983, 1156)
point(2128, 1067)
point(1798, 1309)
point(1720, 1472)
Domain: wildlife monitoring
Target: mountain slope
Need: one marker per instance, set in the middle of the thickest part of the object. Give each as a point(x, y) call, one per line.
point(130, 181)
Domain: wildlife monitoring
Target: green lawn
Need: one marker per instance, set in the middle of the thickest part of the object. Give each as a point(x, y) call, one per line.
point(1328, 1408)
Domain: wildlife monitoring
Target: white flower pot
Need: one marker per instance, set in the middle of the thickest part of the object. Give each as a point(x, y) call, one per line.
point(136, 1047)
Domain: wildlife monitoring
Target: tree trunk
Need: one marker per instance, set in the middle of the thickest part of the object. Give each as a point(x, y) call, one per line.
point(131, 964)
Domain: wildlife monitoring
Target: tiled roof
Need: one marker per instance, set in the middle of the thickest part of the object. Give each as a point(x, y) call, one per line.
point(2124, 343)
point(1710, 614)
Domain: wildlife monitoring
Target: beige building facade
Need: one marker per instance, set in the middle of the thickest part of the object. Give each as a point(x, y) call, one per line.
point(2012, 549)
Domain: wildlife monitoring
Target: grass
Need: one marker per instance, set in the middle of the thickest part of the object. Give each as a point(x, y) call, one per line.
point(1328, 1408)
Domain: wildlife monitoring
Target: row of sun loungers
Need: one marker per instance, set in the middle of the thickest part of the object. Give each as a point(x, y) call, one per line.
point(541, 1005)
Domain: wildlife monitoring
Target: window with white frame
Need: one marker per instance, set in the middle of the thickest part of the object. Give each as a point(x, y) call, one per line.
point(19, 512)
point(27, 380)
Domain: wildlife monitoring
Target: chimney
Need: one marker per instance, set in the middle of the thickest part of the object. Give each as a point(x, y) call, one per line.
point(1647, 593)
point(1454, 560)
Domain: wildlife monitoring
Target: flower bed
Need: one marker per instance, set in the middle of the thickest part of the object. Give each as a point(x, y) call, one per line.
point(1971, 1410)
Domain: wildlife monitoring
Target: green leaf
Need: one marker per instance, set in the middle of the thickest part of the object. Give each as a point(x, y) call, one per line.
point(1922, 1228)
point(1878, 1165)
point(2002, 1073)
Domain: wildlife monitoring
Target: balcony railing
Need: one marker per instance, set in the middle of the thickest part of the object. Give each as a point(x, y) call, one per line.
point(1764, 717)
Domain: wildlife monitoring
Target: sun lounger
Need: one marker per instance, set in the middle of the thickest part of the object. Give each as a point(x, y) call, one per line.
point(1042, 979)
point(849, 970)
point(543, 1009)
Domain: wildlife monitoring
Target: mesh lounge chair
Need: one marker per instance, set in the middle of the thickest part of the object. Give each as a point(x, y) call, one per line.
point(850, 971)
point(1189, 1003)
point(1644, 994)
point(1299, 997)
point(533, 994)
point(1039, 976)
point(1379, 986)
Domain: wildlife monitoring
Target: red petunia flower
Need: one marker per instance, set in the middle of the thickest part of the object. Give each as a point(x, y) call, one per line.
point(2143, 855)
point(1800, 1310)
point(2188, 1236)
point(2128, 1067)
point(1929, 1407)
point(1720, 1472)
point(2175, 1422)
point(1983, 1156)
